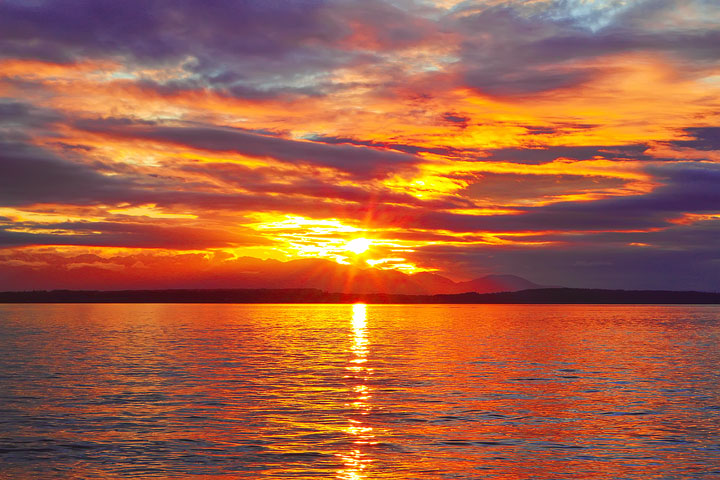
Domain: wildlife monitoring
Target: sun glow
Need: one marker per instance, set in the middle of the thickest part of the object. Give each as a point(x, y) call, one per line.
point(357, 459)
point(358, 245)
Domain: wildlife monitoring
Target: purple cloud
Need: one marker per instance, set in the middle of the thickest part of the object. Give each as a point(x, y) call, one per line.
point(361, 162)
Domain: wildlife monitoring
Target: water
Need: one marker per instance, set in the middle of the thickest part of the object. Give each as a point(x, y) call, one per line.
point(355, 392)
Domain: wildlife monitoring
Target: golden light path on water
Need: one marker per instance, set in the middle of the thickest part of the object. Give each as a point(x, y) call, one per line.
point(398, 392)
point(356, 460)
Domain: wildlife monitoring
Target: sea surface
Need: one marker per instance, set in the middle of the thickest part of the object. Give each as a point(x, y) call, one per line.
point(359, 392)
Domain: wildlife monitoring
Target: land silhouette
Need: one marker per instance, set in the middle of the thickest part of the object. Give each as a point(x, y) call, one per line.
point(311, 295)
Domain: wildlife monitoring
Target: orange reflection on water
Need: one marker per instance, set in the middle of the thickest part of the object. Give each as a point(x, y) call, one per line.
point(356, 461)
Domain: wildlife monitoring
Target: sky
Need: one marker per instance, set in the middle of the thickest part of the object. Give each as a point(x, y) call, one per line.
point(571, 142)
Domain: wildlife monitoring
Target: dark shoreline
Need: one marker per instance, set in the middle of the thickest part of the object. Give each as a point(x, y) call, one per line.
point(308, 295)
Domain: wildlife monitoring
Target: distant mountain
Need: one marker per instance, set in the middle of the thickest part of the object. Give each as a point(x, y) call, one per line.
point(250, 273)
point(494, 283)
point(333, 277)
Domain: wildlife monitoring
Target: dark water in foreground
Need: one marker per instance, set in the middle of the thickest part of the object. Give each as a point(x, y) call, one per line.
point(355, 392)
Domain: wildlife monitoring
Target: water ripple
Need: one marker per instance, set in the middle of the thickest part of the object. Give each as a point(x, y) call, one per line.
point(359, 392)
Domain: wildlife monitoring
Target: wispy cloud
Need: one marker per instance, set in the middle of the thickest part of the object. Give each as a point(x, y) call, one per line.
point(572, 139)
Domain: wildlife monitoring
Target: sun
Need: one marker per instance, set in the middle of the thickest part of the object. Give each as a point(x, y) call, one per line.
point(358, 245)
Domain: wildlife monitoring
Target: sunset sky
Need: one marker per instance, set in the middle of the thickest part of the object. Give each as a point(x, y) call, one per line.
point(571, 142)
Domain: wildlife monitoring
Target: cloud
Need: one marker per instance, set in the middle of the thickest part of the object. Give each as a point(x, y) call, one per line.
point(361, 162)
point(401, 147)
point(297, 184)
point(30, 175)
point(705, 138)
point(21, 116)
point(124, 234)
point(376, 114)
point(163, 30)
point(546, 154)
point(246, 49)
point(504, 188)
point(688, 187)
point(592, 265)
point(518, 48)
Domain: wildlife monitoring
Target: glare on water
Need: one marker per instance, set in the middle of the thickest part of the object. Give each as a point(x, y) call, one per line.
point(356, 460)
point(359, 392)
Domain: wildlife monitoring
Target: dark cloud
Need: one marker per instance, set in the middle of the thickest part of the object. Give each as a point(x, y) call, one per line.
point(705, 138)
point(401, 147)
point(540, 130)
point(536, 156)
point(269, 181)
point(239, 90)
point(517, 49)
point(124, 234)
point(571, 217)
point(33, 175)
point(15, 114)
point(361, 162)
point(238, 47)
point(587, 266)
point(30, 175)
point(699, 235)
point(459, 120)
point(254, 49)
point(159, 31)
point(688, 188)
point(525, 155)
point(274, 49)
point(557, 129)
point(242, 48)
point(509, 187)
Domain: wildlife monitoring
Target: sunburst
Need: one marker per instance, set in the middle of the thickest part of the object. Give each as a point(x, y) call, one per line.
point(358, 245)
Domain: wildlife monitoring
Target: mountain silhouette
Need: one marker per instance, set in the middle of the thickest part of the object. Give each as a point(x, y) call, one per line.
point(247, 273)
point(333, 277)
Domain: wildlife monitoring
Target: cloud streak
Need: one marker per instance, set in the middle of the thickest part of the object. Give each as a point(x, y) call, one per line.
point(572, 142)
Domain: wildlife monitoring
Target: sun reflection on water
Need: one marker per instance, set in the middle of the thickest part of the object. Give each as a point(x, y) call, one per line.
point(355, 460)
